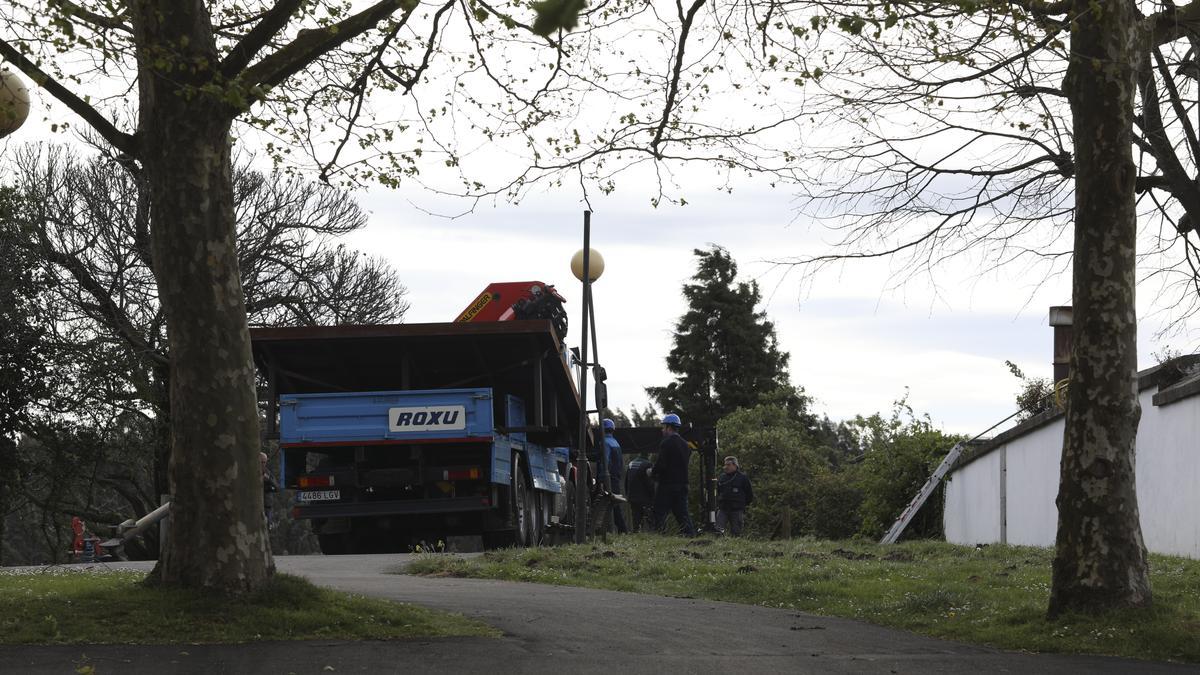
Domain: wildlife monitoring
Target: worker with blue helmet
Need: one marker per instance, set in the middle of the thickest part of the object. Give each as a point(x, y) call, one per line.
point(671, 472)
point(609, 470)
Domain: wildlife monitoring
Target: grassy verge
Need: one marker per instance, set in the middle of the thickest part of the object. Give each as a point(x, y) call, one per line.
point(69, 607)
point(995, 595)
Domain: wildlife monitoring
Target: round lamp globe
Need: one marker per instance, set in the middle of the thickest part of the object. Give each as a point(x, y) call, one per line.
point(14, 102)
point(595, 265)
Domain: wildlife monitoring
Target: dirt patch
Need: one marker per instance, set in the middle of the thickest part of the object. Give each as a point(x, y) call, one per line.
point(851, 555)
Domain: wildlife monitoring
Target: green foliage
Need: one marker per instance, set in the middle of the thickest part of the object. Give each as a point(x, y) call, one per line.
point(834, 502)
point(1036, 395)
point(556, 15)
point(994, 595)
point(24, 350)
point(23, 346)
point(725, 354)
point(69, 607)
point(900, 454)
point(776, 450)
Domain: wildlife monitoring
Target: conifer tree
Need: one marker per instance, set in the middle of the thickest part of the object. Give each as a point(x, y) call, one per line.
point(725, 354)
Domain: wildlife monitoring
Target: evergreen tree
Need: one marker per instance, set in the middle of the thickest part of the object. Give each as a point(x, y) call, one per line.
point(725, 354)
point(23, 358)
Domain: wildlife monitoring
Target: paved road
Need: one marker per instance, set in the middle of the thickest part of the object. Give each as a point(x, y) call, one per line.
point(559, 629)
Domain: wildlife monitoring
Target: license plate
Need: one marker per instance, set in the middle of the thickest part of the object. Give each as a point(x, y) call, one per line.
point(320, 495)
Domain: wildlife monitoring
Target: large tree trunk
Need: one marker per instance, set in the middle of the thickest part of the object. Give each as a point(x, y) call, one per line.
point(1100, 559)
point(218, 538)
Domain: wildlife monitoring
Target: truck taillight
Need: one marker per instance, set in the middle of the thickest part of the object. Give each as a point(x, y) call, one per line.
point(316, 481)
point(462, 474)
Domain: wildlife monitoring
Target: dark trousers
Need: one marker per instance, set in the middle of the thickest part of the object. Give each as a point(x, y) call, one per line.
point(731, 522)
point(641, 513)
point(673, 499)
point(619, 516)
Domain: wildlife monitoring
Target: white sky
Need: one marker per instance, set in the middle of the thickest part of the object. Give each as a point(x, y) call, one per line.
point(855, 346)
point(856, 343)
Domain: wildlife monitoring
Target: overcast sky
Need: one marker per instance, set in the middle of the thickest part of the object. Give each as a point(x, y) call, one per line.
point(856, 343)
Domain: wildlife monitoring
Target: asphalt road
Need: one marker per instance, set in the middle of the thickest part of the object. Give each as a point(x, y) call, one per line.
point(553, 629)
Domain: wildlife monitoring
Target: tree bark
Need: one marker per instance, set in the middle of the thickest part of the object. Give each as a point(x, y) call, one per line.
point(1100, 559)
point(218, 538)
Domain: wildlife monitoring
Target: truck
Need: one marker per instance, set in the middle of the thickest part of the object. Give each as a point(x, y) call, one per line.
point(466, 431)
point(391, 435)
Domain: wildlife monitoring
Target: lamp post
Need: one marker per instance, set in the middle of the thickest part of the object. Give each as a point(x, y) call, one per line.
point(14, 101)
point(587, 266)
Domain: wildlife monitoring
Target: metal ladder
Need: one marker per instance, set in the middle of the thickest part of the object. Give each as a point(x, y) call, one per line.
point(909, 511)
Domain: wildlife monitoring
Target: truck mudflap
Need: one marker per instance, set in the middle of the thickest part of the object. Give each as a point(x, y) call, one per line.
point(391, 508)
point(541, 462)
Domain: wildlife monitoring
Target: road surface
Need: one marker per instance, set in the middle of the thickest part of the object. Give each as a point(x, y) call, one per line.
point(558, 629)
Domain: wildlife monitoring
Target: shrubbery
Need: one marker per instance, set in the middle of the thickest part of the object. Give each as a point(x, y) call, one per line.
point(835, 481)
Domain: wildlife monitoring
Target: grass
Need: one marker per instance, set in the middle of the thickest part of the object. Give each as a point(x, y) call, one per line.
point(995, 595)
point(60, 606)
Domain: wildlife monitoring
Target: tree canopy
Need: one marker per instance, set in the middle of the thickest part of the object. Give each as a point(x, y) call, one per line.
point(725, 354)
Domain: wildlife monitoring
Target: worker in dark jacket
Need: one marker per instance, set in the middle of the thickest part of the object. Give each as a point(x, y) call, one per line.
point(609, 469)
point(671, 472)
point(734, 494)
point(639, 492)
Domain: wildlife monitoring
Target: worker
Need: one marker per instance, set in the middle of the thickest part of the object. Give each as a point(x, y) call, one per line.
point(609, 469)
point(671, 470)
point(269, 487)
point(734, 494)
point(639, 492)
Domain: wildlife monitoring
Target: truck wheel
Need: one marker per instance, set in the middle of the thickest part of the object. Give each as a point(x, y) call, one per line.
point(522, 516)
point(539, 518)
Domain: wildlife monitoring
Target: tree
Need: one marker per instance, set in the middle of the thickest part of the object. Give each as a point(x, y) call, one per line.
point(86, 231)
point(303, 74)
point(725, 354)
point(992, 82)
point(23, 349)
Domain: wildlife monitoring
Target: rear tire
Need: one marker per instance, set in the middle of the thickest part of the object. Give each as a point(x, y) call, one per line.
point(522, 516)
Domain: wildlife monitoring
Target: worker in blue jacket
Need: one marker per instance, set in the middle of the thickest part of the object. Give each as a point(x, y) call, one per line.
point(609, 470)
point(671, 470)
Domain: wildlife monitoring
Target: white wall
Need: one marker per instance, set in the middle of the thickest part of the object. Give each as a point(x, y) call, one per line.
point(1168, 484)
point(972, 514)
point(1168, 476)
point(1033, 471)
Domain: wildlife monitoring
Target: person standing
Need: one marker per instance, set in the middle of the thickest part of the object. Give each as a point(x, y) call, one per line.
point(609, 469)
point(269, 486)
point(734, 494)
point(670, 470)
point(639, 492)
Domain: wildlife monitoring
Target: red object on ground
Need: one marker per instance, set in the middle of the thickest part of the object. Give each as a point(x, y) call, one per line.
point(77, 527)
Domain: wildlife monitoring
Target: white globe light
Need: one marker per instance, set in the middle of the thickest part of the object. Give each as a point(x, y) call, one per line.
point(14, 102)
point(595, 265)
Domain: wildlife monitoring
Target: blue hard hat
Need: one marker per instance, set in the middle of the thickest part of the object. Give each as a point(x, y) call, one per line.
point(672, 419)
point(608, 424)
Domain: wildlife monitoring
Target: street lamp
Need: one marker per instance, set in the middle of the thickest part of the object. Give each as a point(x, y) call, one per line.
point(587, 266)
point(14, 101)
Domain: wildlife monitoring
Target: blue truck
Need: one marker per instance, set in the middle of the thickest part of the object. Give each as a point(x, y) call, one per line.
point(393, 435)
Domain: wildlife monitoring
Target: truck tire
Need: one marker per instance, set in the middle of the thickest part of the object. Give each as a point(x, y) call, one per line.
point(537, 532)
point(522, 513)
